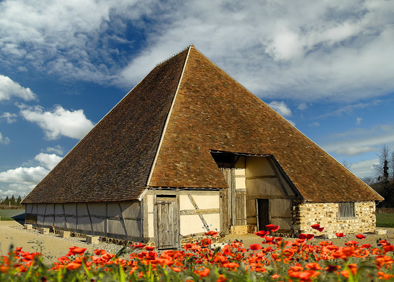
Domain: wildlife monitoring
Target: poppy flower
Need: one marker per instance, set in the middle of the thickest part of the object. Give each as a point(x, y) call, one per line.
point(360, 236)
point(262, 233)
point(255, 247)
point(272, 227)
point(315, 226)
point(149, 248)
point(340, 235)
point(77, 250)
point(302, 236)
point(138, 245)
point(320, 229)
point(73, 265)
point(310, 236)
point(211, 233)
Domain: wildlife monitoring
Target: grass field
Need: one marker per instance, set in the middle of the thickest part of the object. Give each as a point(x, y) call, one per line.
point(12, 214)
point(385, 220)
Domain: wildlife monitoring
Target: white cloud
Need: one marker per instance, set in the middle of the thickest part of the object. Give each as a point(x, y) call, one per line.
point(59, 122)
point(15, 189)
point(24, 175)
point(4, 140)
point(302, 106)
point(359, 140)
point(9, 117)
point(9, 88)
point(48, 160)
point(353, 151)
point(281, 108)
point(278, 49)
point(358, 120)
point(57, 149)
point(364, 168)
point(314, 124)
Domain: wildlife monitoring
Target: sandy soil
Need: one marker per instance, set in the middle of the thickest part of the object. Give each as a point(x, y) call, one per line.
point(52, 246)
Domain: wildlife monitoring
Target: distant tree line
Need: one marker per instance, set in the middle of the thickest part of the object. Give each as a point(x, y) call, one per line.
point(11, 202)
point(383, 182)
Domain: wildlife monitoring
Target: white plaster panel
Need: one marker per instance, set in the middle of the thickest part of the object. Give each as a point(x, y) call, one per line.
point(97, 209)
point(40, 220)
point(50, 209)
point(115, 227)
point(191, 224)
point(34, 209)
point(49, 220)
point(70, 209)
point(149, 202)
point(151, 228)
point(71, 222)
point(257, 166)
point(84, 223)
point(240, 172)
point(133, 228)
point(240, 183)
point(284, 223)
point(82, 210)
point(280, 207)
point(59, 222)
point(41, 209)
point(185, 203)
point(28, 208)
point(113, 209)
point(59, 210)
point(207, 202)
point(98, 224)
point(131, 209)
point(213, 221)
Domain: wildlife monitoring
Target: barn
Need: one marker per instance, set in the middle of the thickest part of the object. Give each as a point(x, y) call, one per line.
point(188, 150)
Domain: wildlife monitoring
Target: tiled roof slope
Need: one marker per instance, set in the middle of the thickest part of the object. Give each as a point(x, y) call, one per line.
point(112, 162)
point(214, 112)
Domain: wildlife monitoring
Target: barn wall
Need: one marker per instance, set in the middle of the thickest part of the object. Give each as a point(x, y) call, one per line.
point(264, 181)
point(195, 209)
point(117, 220)
point(327, 215)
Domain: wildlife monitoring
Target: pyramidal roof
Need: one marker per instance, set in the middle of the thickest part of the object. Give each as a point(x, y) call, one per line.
point(162, 132)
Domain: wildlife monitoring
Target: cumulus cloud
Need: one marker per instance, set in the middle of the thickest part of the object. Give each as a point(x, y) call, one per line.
point(10, 88)
point(57, 149)
point(15, 189)
point(358, 120)
point(326, 50)
point(48, 160)
point(4, 140)
point(24, 175)
point(59, 122)
point(302, 106)
point(11, 118)
point(281, 108)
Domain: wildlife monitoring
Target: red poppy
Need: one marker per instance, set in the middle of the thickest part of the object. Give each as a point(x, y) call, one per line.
point(73, 265)
point(302, 236)
point(310, 236)
point(272, 227)
point(320, 229)
point(77, 250)
point(360, 236)
point(340, 235)
point(211, 233)
point(262, 233)
point(138, 245)
point(149, 248)
point(315, 226)
point(255, 247)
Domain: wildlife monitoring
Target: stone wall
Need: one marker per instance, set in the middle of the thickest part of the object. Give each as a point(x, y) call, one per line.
point(327, 215)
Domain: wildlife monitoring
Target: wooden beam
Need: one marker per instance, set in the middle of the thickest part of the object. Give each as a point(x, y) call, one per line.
point(200, 215)
point(202, 211)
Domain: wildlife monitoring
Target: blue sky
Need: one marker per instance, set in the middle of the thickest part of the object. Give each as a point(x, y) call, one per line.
point(326, 66)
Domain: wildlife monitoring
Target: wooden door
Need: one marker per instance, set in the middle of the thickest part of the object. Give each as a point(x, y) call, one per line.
point(167, 231)
point(263, 217)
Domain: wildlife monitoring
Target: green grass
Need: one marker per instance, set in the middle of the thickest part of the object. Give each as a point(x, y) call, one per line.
point(12, 215)
point(385, 220)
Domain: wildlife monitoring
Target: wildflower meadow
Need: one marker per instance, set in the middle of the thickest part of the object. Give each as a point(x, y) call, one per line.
point(275, 259)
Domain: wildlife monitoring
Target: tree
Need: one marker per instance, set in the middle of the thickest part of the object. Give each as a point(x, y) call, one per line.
point(13, 200)
point(383, 171)
point(6, 201)
point(346, 164)
point(384, 163)
point(19, 200)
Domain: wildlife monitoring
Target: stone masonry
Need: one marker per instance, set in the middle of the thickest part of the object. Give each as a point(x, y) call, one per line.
point(327, 215)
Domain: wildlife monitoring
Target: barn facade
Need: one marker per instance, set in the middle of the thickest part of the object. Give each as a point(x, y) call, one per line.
point(188, 150)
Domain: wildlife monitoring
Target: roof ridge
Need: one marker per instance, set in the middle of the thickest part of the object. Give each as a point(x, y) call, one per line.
point(172, 56)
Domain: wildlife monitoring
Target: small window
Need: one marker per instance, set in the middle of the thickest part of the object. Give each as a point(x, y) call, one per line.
point(346, 210)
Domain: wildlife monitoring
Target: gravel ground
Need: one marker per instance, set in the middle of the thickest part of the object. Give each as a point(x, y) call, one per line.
point(52, 246)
